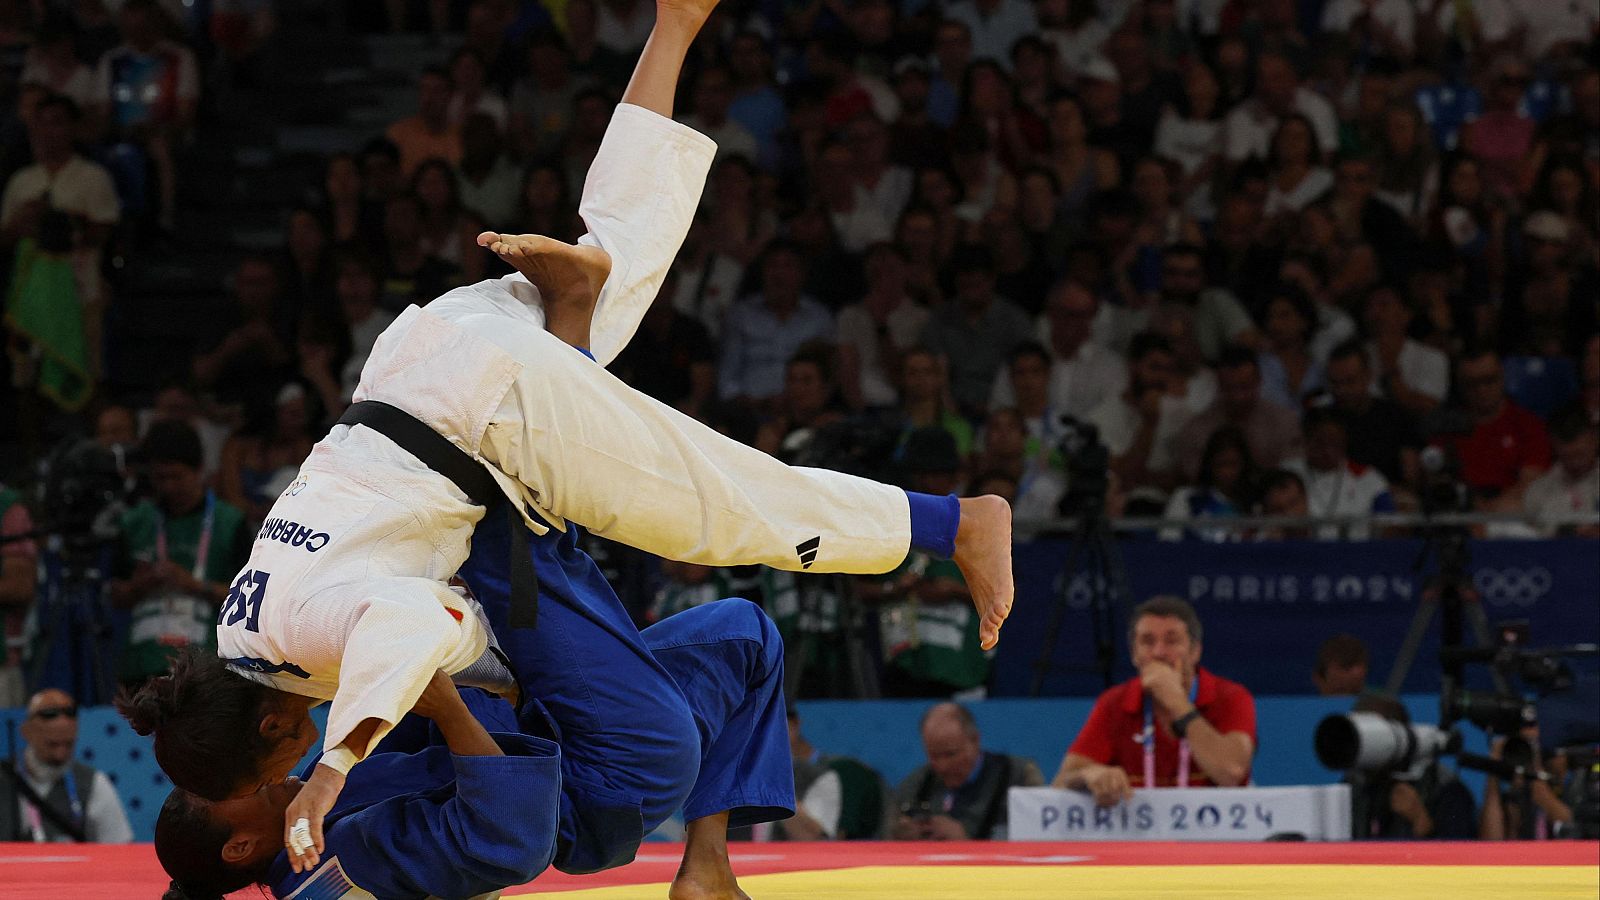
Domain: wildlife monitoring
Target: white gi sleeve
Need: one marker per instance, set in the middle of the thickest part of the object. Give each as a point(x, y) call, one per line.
point(397, 638)
point(638, 203)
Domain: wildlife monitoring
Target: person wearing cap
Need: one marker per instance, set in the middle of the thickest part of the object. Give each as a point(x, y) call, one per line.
point(177, 551)
point(48, 797)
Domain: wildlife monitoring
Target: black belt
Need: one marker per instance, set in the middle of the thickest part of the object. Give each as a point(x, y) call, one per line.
point(435, 451)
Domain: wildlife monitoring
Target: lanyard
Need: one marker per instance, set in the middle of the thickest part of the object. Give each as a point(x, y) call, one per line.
point(202, 549)
point(1150, 742)
point(32, 814)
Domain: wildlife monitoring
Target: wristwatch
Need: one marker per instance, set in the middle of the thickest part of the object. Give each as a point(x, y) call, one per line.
point(1181, 723)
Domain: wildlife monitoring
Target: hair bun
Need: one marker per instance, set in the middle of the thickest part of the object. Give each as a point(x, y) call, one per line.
point(147, 708)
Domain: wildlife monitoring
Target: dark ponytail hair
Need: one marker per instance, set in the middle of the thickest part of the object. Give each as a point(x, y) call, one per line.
point(189, 842)
point(206, 721)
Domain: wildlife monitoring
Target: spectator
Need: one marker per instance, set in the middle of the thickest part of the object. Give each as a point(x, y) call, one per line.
point(1289, 371)
point(261, 460)
point(672, 359)
point(837, 797)
point(1336, 486)
point(382, 179)
point(147, 91)
point(430, 133)
point(1428, 804)
point(712, 99)
point(1077, 32)
point(592, 61)
point(356, 292)
point(1573, 484)
point(687, 585)
point(960, 795)
point(541, 102)
point(18, 561)
point(472, 95)
point(1140, 424)
point(756, 104)
point(995, 25)
point(857, 222)
point(1388, 26)
point(1528, 807)
point(1010, 452)
point(1224, 486)
point(763, 331)
point(177, 551)
point(1408, 173)
point(930, 461)
point(916, 140)
point(928, 628)
point(411, 275)
point(925, 401)
point(1082, 372)
point(952, 53)
point(1219, 318)
point(1027, 379)
point(545, 205)
point(1501, 138)
point(879, 182)
point(1296, 177)
point(177, 402)
point(487, 180)
point(1507, 448)
point(347, 214)
point(709, 278)
point(975, 330)
point(1190, 134)
point(1341, 669)
point(303, 263)
point(874, 333)
point(253, 342)
point(1283, 493)
point(1248, 128)
point(53, 63)
point(1186, 713)
point(808, 404)
point(1360, 216)
point(737, 212)
point(1272, 431)
point(1080, 168)
point(1413, 374)
point(1380, 433)
point(622, 26)
point(46, 796)
point(449, 230)
point(115, 429)
point(67, 205)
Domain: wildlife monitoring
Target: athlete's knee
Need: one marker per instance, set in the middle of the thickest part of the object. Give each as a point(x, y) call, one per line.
point(747, 622)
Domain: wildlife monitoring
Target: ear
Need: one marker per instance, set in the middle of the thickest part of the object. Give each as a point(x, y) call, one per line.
point(277, 725)
point(239, 848)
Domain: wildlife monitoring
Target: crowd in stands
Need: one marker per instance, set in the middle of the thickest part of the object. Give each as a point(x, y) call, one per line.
point(1272, 251)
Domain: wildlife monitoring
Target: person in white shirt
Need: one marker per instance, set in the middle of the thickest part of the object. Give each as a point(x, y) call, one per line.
point(995, 25)
point(1140, 424)
point(713, 94)
point(1573, 484)
point(1336, 486)
point(346, 598)
point(1413, 374)
point(875, 332)
point(76, 797)
point(1248, 129)
point(1082, 372)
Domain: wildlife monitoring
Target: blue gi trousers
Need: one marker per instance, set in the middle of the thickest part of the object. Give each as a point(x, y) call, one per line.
point(687, 714)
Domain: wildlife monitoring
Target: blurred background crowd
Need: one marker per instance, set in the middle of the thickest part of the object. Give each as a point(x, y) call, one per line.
point(1186, 260)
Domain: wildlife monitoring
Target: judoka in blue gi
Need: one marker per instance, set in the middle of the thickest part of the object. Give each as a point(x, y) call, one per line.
point(616, 730)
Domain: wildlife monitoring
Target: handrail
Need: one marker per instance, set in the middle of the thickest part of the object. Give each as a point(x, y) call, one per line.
point(1376, 521)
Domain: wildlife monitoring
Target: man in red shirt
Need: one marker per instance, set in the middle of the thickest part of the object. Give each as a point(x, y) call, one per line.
point(1175, 724)
point(1508, 447)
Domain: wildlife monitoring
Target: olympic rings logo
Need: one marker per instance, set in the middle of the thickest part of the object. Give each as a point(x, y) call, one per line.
point(1513, 586)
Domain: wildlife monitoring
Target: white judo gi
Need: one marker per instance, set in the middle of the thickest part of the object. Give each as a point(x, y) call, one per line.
point(345, 595)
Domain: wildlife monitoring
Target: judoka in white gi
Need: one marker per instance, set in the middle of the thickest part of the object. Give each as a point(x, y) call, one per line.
point(345, 597)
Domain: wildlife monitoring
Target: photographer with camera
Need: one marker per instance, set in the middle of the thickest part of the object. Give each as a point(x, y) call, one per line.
point(179, 550)
point(1526, 806)
point(1422, 801)
point(960, 795)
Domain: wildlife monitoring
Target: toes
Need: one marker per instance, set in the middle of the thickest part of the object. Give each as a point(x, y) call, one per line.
point(488, 238)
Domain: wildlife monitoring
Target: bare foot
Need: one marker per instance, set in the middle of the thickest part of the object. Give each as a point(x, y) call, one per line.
point(569, 278)
point(706, 873)
point(983, 553)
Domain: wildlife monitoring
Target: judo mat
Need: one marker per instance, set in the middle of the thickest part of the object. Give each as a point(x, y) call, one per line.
point(970, 871)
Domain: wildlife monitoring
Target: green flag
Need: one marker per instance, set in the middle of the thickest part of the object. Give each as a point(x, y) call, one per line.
point(44, 307)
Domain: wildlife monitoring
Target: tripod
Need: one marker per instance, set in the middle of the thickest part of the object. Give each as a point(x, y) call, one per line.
point(71, 623)
point(857, 676)
point(1450, 594)
point(1094, 544)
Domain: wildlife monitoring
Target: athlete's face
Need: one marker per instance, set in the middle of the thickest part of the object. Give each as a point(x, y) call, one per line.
point(256, 824)
point(288, 728)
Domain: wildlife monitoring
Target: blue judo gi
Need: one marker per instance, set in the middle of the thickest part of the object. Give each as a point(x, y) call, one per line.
point(618, 729)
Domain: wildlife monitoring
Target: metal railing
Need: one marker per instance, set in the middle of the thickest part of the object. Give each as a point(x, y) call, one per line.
point(1378, 525)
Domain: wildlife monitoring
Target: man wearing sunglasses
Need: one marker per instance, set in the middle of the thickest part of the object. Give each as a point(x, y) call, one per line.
point(45, 794)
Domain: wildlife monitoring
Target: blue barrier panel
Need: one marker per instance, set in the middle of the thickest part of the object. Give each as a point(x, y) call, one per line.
point(881, 733)
point(1266, 607)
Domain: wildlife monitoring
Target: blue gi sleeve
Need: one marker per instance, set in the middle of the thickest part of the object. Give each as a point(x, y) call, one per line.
point(493, 826)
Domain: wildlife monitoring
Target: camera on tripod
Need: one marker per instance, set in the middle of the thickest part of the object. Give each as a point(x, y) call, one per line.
point(1088, 464)
point(83, 492)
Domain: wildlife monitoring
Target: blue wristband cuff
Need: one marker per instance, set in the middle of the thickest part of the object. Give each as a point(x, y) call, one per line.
point(933, 523)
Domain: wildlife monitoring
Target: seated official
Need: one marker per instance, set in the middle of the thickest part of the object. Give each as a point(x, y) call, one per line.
point(1176, 724)
point(960, 795)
